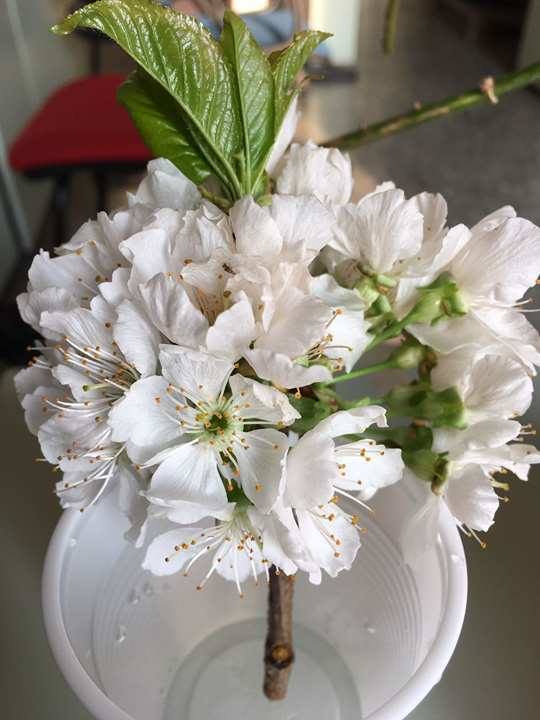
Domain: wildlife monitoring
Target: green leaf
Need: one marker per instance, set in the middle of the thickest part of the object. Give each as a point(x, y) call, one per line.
point(181, 55)
point(287, 64)
point(254, 91)
point(157, 117)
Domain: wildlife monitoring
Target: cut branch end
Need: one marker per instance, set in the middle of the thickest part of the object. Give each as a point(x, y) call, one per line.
point(279, 652)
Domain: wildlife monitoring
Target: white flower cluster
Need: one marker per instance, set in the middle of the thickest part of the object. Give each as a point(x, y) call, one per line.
point(180, 343)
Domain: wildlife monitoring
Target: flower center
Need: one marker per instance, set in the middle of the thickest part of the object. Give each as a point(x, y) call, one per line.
point(218, 423)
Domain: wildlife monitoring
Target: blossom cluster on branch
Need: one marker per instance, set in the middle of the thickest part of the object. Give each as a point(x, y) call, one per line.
point(191, 356)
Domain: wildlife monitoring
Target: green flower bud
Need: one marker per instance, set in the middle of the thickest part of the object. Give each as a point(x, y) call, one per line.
point(420, 401)
point(408, 355)
point(384, 281)
point(367, 290)
point(439, 300)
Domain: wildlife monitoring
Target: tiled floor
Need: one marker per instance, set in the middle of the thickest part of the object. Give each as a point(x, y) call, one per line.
point(479, 161)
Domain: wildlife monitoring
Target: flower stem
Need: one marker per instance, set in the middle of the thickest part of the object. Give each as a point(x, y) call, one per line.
point(391, 332)
point(433, 111)
point(279, 653)
point(377, 367)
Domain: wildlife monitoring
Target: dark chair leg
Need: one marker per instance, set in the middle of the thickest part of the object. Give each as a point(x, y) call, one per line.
point(95, 54)
point(59, 206)
point(100, 180)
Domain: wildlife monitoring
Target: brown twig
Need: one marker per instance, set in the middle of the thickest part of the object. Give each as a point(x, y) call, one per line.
point(279, 653)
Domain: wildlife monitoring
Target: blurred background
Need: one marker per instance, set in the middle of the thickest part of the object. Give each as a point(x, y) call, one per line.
point(67, 150)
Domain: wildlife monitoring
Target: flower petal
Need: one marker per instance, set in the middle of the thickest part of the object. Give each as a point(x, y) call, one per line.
point(189, 473)
point(31, 306)
point(312, 170)
point(502, 263)
point(350, 422)
point(284, 138)
point(162, 558)
point(283, 372)
point(381, 230)
point(305, 225)
point(170, 308)
point(365, 468)
point(262, 402)
point(471, 498)
point(299, 322)
point(311, 471)
point(149, 252)
point(68, 272)
point(349, 329)
point(233, 330)
point(146, 415)
point(261, 463)
point(166, 187)
point(198, 374)
point(255, 230)
point(80, 326)
point(316, 529)
point(136, 337)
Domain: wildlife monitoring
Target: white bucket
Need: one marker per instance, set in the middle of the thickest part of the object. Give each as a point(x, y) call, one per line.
point(369, 644)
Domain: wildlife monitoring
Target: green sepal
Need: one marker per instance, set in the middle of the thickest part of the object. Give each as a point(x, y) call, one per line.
point(442, 299)
point(237, 495)
point(312, 411)
point(427, 465)
point(418, 400)
point(411, 438)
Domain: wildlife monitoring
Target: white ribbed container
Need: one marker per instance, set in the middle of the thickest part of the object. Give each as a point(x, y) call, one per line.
point(370, 644)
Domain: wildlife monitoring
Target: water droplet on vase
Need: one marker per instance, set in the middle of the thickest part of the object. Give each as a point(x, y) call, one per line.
point(456, 559)
point(148, 589)
point(72, 542)
point(133, 597)
point(368, 627)
point(121, 634)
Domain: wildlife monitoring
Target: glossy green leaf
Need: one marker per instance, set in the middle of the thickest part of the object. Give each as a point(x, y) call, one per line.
point(181, 55)
point(287, 64)
point(254, 93)
point(157, 117)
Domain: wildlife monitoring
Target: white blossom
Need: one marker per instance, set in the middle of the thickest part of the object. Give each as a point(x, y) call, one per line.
point(311, 170)
point(94, 376)
point(173, 331)
point(491, 386)
point(205, 431)
point(493, 270)
point(241, 543)
point(319, 471)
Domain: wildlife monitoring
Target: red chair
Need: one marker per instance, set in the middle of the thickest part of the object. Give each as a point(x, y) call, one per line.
point(81, 126)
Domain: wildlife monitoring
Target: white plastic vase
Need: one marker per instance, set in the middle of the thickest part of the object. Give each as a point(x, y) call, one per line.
point(369, 644)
